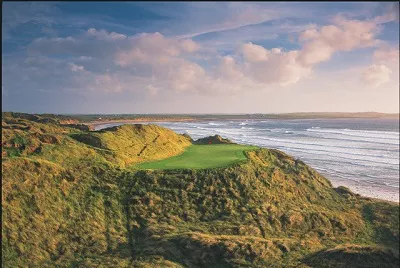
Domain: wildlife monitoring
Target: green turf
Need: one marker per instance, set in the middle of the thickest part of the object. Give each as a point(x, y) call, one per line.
point(202, 156)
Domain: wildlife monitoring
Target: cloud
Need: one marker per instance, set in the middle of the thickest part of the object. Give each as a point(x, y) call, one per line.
point(152, 90)
point(376, 75)
point(229, 69)
point(214, 18)
point(76, 68)
point(273, 66)
point(164, 63)
point(189, 45)
point(153, 48)
point(318, 45)
point(112, 62)
point(109, 62)
point(391, 14)
point(104, 35)
point(254, 53)
point(385, 68)
point(386, 54)
point(345, 35)
point(92, 43)
point(185, 76)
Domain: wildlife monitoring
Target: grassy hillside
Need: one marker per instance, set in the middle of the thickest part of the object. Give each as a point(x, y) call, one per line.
point(135, 143)
point(73, 203)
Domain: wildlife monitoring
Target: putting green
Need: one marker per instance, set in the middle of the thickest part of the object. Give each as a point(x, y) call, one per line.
point(202, 156)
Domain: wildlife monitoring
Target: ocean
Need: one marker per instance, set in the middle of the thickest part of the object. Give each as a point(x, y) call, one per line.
point(362, 154)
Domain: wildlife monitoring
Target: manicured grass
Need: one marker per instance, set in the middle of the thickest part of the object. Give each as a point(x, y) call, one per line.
point(202, 156)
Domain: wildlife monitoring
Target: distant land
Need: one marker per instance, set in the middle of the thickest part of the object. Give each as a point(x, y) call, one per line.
point(106, 117)
point(95, 119)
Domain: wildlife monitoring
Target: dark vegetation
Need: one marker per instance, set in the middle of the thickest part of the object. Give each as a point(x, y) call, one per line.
point(216, 139)
point(70, 199)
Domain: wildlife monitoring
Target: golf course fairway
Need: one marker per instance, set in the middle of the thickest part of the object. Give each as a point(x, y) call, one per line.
point(202, 156)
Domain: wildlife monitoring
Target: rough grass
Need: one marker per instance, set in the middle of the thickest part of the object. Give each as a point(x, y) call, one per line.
point(128, 144)
point(356, 255)
point(73, 204)
point(202, 156)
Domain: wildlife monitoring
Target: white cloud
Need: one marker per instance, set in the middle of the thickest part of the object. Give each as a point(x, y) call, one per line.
point(154, 49)
point(274, 66)
point(376, 75)
point(183, 75)
point(254, 53)
point(318, 45)
point(76, 68)
point(229, 69)
point(345, 35)
point(385, 68)
point(189, 45)
point(102, 34)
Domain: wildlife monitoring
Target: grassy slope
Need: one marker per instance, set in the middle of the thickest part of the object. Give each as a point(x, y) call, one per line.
point(130, 144)
point(72, 204)
point(202, 156)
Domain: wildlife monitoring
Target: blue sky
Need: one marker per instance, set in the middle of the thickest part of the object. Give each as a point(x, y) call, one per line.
point(200, 57)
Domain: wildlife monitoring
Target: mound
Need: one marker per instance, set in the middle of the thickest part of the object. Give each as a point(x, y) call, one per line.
point(216, 139)
point(136, 143)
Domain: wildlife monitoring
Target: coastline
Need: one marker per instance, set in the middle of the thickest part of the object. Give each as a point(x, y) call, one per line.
point(194, 119)
point(365, 190)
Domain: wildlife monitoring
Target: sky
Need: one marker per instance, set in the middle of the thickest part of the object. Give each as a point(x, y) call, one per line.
point(200, 57)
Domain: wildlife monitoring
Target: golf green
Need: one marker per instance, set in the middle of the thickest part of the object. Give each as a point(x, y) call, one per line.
point(202, 156)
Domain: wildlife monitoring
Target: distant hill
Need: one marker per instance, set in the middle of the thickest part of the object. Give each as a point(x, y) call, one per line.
point(70, 198)
point(98, 119)
point(338, 115)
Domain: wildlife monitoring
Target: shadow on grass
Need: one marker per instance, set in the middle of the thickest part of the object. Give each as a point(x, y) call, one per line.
point(382, 217)
point(353, 256)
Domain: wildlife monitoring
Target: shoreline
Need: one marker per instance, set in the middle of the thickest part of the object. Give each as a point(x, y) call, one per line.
point(365, 190)
point(128, 121)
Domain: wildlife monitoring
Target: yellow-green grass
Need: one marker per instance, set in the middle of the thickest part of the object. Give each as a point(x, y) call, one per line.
point(202, 156)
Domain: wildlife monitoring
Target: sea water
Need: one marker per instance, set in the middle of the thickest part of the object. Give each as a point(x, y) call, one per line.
point(362, 154)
